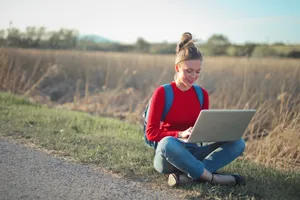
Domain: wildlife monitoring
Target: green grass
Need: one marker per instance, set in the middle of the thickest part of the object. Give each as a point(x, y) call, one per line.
point(118, 146)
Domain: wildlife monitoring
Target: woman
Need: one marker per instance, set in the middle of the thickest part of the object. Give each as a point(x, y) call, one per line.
point(186, 162)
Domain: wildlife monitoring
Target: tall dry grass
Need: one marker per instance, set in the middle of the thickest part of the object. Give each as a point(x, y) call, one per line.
point(119, 85)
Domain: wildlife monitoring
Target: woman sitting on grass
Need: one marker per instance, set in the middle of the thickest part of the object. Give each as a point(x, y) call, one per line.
point(186, 162)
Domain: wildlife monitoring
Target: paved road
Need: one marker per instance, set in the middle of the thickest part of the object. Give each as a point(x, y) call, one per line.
point(31, 174)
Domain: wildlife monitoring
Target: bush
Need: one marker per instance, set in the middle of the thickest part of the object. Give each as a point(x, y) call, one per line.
point(236, 51)
point(294, 54)
point(264, 51)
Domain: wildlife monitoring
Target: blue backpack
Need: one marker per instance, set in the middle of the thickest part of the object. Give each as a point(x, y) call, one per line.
point(168, 103)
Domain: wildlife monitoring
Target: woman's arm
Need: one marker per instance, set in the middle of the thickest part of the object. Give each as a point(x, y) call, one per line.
point(153, 131)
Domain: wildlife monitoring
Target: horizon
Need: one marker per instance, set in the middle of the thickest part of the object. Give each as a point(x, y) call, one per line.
point(161, 21)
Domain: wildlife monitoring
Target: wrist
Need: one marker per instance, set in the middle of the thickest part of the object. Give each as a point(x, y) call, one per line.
point(179, 134)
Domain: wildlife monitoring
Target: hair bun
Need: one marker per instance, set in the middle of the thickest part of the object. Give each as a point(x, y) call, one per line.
point(186, 49)
point(186, 36)
point(186, 41)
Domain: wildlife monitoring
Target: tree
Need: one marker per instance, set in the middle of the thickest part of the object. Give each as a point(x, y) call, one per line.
point(54, 39)
point(70, 37)
point(13, 37)
point(142, 46)
point(249, 48)
point(218, 44)
point(28, 37)
point(218, 39)
point(63, 39)
point(2, 38)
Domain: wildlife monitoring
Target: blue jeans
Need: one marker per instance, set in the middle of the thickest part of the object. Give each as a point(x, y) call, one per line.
point(173, 155)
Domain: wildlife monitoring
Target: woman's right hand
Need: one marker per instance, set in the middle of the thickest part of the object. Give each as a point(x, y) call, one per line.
point(185, 134)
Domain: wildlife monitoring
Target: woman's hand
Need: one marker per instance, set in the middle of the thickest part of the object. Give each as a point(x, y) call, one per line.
point(185, 134)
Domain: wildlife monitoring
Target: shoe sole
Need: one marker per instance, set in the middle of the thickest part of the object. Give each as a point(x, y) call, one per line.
point(172, 180)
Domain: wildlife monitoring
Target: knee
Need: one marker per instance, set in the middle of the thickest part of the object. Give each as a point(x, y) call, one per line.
point(235, 147)
point(239, 146)
point(167, 148)
point(168, 145)
point(163, 166)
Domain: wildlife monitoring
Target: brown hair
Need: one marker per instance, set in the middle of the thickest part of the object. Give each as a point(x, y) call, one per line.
point(186, 49)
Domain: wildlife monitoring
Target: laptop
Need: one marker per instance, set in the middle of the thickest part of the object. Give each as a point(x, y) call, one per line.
point(220, 125)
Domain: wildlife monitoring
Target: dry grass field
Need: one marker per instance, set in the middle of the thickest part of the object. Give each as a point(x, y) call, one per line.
point(119, 85)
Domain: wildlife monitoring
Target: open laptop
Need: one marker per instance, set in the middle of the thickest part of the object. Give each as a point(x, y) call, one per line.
point(219, 125)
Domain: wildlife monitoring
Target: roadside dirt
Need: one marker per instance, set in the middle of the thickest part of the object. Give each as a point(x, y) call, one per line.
point(28, 173)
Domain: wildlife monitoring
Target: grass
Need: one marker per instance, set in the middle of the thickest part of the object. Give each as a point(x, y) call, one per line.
point(119, 84)
point(118, 147)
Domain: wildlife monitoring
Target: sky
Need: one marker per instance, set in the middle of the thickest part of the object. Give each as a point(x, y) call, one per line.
point(260, 21)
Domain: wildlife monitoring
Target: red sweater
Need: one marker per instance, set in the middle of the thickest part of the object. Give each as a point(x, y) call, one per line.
point(182, 114)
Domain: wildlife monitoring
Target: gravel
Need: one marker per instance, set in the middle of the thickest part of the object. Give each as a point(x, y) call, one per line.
point(27, 173)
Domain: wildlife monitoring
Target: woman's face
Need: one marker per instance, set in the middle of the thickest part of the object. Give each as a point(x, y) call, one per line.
point(188, 72)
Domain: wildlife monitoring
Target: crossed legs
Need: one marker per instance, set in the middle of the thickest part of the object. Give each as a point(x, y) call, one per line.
point(173, 155)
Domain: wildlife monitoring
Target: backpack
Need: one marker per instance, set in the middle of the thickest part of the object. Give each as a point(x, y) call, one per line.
point(168, 103)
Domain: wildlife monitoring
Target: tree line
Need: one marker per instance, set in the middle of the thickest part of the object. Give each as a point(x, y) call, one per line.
point(216, 45)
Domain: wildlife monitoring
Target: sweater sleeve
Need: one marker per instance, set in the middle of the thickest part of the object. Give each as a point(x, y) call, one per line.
point(153, 130)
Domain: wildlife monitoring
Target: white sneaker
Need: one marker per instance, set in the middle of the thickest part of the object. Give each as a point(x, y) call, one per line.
point(178, 179)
